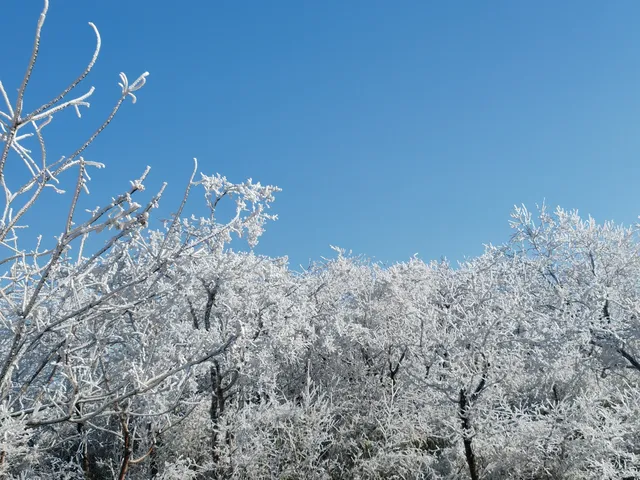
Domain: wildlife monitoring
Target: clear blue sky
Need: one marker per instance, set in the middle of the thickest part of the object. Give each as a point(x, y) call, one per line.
point(394, 128)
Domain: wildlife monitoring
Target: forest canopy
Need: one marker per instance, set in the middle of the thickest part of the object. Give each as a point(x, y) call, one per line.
point(141, 353)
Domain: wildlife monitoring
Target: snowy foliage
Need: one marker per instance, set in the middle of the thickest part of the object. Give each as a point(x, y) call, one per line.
point(128, 352)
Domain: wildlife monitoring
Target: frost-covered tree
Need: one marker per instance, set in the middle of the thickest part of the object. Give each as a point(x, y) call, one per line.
point(84, 357)
point(140, 353)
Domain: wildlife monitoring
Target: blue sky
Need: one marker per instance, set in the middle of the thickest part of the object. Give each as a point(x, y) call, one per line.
point(393, 128)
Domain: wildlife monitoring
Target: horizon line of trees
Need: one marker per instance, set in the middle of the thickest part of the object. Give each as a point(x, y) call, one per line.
point(128, 352)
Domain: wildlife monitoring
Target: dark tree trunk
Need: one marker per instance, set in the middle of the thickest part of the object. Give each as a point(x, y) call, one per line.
point(467, 439)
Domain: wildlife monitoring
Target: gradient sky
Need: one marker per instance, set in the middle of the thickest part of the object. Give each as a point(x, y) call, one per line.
point(393, 127)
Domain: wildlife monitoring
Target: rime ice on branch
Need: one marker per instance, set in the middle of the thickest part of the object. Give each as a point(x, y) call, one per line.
point(77, 332)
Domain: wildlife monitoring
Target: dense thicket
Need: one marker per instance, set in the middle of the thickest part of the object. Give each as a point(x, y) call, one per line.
point(127, 352)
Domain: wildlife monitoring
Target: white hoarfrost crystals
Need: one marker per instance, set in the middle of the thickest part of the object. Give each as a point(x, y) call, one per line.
point(83, 351)
point(251, 199)
point(137, 85)
point(133, 353)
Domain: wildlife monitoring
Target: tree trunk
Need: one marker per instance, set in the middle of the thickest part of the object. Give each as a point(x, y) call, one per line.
point(467, 439)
